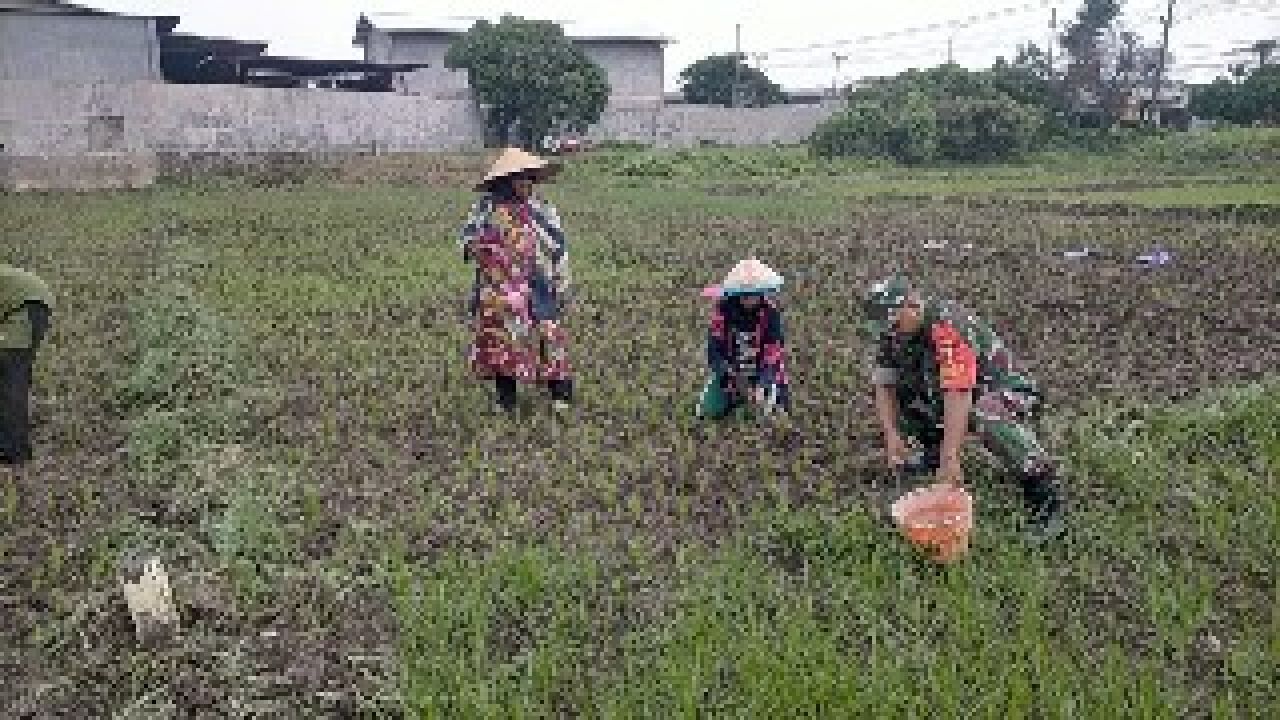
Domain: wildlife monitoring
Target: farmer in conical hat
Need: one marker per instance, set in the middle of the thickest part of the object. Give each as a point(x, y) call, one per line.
point(746, 344)
point(522, 276)
point(941, 373)
point(25, 307)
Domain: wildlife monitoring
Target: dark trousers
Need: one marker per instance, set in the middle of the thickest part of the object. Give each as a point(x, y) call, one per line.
point(15, 390)
point(506, 386)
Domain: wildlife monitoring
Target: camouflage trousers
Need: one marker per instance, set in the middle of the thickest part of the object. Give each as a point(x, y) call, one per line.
point(1000, 418)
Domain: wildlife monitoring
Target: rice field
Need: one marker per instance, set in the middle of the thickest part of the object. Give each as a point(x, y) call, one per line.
point(264, 381)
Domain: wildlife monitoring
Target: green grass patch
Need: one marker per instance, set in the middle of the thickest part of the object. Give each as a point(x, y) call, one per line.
point(827, 613)
point(1196, 195)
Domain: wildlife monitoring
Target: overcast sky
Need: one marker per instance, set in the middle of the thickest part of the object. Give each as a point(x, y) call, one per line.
point(889, 35)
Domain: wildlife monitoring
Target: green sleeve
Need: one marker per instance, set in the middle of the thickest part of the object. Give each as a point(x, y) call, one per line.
point(15, 330)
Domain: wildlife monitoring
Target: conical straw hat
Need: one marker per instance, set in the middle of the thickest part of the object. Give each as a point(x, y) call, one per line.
point(514, 160)
point(750, 276)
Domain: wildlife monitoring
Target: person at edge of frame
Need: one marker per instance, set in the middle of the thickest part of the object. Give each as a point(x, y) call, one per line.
point(26, 306)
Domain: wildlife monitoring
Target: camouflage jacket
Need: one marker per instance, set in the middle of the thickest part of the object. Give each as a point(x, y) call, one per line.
point(954, 350)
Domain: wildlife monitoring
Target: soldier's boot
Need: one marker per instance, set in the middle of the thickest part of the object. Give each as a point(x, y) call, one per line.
point(561, 393)
point(1044, 504)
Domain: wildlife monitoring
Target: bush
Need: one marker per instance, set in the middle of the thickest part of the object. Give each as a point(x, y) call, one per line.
point(982, 130)
point(915, 129)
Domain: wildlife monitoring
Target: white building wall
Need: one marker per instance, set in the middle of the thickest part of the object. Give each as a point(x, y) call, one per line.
point(635, 69)
point(65, 49)
point(635, 72)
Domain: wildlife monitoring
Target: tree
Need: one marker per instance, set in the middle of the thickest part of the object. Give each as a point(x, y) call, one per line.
point(1248, 100)
point(530, 78)
point(710, 81)
point(1030, 82)
point(1091, 49)
point(921, 116)
point(1033, 60)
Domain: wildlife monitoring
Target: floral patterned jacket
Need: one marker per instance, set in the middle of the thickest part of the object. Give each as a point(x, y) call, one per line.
point(747, 347)
point(550, 277)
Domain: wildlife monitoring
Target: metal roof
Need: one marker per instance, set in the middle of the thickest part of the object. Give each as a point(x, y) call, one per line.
point(597, 35)
point(164, 23)
point(190, 42)
point(325, 67)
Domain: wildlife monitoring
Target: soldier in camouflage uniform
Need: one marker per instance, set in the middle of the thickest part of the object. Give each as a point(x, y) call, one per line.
point(940, 374)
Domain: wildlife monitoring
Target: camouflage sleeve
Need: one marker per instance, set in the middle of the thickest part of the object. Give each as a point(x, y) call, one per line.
point(957, 361)
point(884, 371)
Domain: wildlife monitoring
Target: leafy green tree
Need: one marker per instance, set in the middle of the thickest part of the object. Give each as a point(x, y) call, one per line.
point(921, 116)
point(1253, 98)
point(1029, 80)
point(1093, 48)
point(710, 81)
point(530, 78)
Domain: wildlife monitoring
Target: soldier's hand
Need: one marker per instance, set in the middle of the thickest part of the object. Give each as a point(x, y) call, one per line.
point(950, 472)
point(895, 450)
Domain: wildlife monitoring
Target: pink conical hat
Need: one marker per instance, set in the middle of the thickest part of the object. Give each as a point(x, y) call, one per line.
point(751, 275)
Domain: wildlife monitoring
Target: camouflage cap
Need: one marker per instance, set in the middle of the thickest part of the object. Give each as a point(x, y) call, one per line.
point(881, 300)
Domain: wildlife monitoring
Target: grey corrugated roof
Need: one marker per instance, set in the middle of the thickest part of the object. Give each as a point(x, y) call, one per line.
point(418, 26)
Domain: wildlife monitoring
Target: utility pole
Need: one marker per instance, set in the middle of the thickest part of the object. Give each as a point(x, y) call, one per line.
point(834, 78)
point(1053, 35)
point(737, 63)
point(1157, 84)
point(951, 59)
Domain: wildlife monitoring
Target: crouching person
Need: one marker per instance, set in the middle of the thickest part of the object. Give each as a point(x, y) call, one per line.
point(746, 345)
point(25, 307)
point(940, 374)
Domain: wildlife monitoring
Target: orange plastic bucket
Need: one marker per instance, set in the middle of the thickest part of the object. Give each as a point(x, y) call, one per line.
point(937, 519)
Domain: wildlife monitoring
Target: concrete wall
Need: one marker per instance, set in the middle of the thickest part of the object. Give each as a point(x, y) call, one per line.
point(154, 117)
point(61, 49)
point(111, 135)
point(689, 125)
point(434, 82)
point(786, 124)
point(635, 71)
point(100, 171)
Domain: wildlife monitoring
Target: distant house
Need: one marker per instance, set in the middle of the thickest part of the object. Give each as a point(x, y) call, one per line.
point(635, 63)
point(60, 43)
point(51, 42)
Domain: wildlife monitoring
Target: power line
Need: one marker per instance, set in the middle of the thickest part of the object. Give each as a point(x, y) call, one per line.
point(985, 37)
point(953, 24)
point(913, 41)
